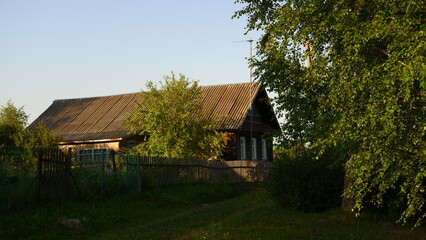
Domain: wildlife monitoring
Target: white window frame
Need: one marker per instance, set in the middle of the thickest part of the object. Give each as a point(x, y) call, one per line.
point(264, 150)
point(92, 155)
point(253, 149)
point(243, 148)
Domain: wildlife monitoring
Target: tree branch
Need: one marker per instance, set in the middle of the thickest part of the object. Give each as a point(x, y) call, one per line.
point(388, 54)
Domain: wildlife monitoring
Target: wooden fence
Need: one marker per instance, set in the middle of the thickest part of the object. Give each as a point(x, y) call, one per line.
point(53, 174)
point(157, 171)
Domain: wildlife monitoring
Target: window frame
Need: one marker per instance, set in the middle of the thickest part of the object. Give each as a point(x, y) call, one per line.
point(253, 148)
point(243, 148)
point(92, 155)
point(264, 150)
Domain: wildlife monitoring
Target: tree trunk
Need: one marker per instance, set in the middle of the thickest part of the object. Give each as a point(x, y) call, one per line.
point(348, 203)
point(308, 48)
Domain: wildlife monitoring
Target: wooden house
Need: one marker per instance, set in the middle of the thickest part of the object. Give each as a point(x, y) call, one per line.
point(93, 126)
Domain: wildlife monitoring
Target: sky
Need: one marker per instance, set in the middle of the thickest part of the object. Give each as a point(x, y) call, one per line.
point(59, 49)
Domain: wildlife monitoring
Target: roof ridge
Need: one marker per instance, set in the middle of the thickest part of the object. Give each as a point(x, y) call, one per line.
point(114, 95)
point(85, 98)
point(229, 84)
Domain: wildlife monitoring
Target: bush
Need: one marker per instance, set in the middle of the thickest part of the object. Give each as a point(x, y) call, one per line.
point(305, 183)
point(91, 182)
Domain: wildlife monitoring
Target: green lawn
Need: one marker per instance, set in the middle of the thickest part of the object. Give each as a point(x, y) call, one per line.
point(200, 211)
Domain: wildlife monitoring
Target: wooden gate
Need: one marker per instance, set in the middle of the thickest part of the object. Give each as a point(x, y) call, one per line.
point(53, 174)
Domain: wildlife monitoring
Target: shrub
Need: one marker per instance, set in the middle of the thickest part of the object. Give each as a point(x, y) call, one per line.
point(305, 183)
point(91, 182)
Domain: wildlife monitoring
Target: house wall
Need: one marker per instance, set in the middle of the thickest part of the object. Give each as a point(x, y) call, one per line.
point(111, 145)
point(231, 146)
point(115, 145)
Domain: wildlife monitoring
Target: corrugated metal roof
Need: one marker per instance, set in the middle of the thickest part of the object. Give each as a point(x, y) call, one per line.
point(103, 117)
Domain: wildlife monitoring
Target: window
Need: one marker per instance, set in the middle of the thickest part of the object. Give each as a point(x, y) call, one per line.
point(243, 148)
point(253, 149)
point(90, 155)
point(264, 150)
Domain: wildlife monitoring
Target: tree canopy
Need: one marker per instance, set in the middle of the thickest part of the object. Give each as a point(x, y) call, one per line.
point(18, 145)
point(351, 74)
point(169, 117)
point(14, 148)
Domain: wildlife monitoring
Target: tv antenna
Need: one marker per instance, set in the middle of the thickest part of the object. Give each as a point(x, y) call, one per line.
point(251, 95)
point(251, 55)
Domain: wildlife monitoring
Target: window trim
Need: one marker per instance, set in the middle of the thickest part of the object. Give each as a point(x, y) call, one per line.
point(264, 150)
point(243, 148)
point(253, 148)
point(92, 153)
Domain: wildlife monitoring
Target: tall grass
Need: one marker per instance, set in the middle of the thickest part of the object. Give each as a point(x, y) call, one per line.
point(16, 191)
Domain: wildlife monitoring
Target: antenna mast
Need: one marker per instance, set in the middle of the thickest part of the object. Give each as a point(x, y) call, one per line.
point(251, 95)
point(251, 56)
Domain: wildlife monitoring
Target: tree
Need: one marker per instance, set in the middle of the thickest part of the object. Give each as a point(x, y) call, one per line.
point(170, 119)
point(18, 145)
point(364, 90)
point(14, 148)
point(41, 137)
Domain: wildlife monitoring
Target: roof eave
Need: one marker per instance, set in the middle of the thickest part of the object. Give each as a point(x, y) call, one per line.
point(90, 141)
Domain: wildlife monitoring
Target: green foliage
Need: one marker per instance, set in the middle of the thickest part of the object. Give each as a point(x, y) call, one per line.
point(14, 147)
point(93, 182)
point(16, 191)
point(41, 137)
point(305, 183)
point(18, 145)
point(365, 88)
point(170, 118)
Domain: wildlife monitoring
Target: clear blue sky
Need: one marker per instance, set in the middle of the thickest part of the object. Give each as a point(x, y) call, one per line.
point(57, 49)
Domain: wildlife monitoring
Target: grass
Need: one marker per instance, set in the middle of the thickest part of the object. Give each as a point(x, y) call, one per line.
point(197, 211)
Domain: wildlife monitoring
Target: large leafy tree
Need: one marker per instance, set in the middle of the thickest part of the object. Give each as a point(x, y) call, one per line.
point(18, 145)
point(170, 118)
point(15, 153)
point(351, 74)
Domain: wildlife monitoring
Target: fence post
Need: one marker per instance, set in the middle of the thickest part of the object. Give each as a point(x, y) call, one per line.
point(39, 172)
point(139, 174)
point(68, 173)
point(114, 169)
point(102, 174)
